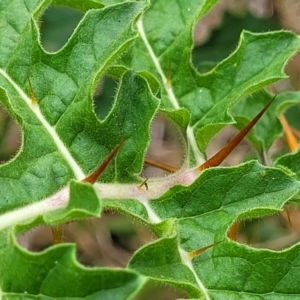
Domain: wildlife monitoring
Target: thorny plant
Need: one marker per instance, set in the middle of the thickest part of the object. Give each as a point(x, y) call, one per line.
point(186, 178)
point(72, 165)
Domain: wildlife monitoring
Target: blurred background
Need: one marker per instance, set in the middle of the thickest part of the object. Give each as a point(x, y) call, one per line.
point(111, 240)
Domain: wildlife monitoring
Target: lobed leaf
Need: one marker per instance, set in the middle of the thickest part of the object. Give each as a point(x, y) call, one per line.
point(235, 271)
point(164, 49)
point(56, 274)
point(63, 142)
point(165, 266)
point(291, 161)
point(204, 212)
point(67, 138)
point(219, 196)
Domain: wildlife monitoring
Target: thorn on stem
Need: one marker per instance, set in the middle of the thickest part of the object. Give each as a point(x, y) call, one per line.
point(92, 178)
point(144, 183)
point(160, 165)
point(218, 158)
point(290, 137)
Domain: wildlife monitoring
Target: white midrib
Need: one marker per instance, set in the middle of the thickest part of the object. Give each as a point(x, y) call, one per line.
point(168, 87)
point(187, 261)
point(79, 174)
point(190, 136)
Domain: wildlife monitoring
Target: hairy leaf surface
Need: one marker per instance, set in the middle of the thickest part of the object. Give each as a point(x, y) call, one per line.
point(146, 46)
point(165, 50)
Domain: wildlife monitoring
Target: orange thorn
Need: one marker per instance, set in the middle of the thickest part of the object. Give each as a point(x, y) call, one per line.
point(144, 183)
point(57, 232)
point(194, 253)
point(226, 150)
point(32, 95)
point(96, 174)
point(160, 165)
point(233, 231)
point(291, 140)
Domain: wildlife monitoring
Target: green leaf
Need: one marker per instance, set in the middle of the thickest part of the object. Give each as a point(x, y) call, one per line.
point(181, 117)
point(291, 161)
point(80, 5)
point(66, 146)
point(204, 212)
point(164, 49)
point(83, 202)
point(224, 194)
point(223, 40)
point(235, 271)
point(63, 142)
point(239, 75)
point(166, 267)
point(55, 273)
